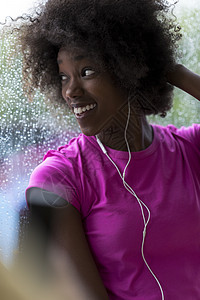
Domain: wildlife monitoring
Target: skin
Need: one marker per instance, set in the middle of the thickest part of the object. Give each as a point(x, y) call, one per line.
point(73, 274)
point(76, 275)
point(186, 80)
point(83, 83)
point(69, 253)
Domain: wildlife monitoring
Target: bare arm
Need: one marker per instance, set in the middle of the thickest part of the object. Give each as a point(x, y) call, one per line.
point(186, 80)
point(75, 262)
point(75, 273)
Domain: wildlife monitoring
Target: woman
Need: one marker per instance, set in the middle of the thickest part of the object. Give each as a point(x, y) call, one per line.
point(129, 190)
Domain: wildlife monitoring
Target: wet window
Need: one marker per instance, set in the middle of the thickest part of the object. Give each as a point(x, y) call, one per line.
point(29, 129)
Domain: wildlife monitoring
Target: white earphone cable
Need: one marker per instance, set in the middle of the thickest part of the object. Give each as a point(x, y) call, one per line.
point(131, 191)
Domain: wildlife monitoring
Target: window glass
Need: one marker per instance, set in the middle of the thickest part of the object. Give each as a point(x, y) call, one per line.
point(29, 129)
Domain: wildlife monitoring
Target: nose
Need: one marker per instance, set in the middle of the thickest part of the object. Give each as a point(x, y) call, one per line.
point(74, 89)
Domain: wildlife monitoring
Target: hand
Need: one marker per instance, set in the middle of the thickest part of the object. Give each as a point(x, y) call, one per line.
point(186, 80)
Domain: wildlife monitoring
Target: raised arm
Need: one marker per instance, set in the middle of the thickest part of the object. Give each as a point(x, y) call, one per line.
point(186, 80)
point(75, 274)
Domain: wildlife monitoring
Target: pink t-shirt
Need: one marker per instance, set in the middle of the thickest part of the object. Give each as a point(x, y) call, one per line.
point(166, 177)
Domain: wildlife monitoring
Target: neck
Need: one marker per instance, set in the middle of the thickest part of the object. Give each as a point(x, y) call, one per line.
point(139, 134)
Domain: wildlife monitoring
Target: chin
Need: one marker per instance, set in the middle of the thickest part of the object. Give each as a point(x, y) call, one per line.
point(89, 131)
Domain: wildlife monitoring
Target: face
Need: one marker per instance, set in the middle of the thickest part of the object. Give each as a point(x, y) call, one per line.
point(90, 93)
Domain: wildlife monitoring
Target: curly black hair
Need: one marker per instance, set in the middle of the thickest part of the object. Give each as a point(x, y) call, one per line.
point(135, 40)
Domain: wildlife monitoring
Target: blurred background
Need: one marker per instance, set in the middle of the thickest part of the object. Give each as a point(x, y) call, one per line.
point(29, 129)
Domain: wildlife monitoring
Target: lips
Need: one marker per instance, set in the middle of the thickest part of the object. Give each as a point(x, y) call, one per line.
point(80, 110)
point(84, 111)
point(80, 104)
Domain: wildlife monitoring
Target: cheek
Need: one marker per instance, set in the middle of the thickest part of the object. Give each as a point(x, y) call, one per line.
point(64, 94)
point(65, 97)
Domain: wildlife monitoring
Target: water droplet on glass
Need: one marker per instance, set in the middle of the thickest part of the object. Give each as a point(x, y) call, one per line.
point(29, 129)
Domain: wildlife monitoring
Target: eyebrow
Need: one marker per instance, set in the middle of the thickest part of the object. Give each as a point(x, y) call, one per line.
point(75, 58)
point(79, 57)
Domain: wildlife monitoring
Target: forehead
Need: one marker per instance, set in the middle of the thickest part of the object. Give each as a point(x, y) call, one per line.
point(73, 55)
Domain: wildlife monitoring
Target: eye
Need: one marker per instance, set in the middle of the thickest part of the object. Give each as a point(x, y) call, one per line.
point(63, 77)
point(87, 72)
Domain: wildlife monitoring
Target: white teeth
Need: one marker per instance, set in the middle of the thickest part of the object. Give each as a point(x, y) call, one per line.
point(80, 110)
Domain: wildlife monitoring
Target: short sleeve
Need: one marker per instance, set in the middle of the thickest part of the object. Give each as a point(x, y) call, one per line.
point(57, 175)
point(191, 133)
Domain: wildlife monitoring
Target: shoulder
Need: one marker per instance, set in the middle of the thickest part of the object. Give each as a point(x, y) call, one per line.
point(59, 162)
point(58, 173)
point(70, 150)
point(77, 147)
point(65, 158)
point(183, 134)
point(62, 170)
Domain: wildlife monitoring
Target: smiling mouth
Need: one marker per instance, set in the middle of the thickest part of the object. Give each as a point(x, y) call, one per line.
point(80, 111)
